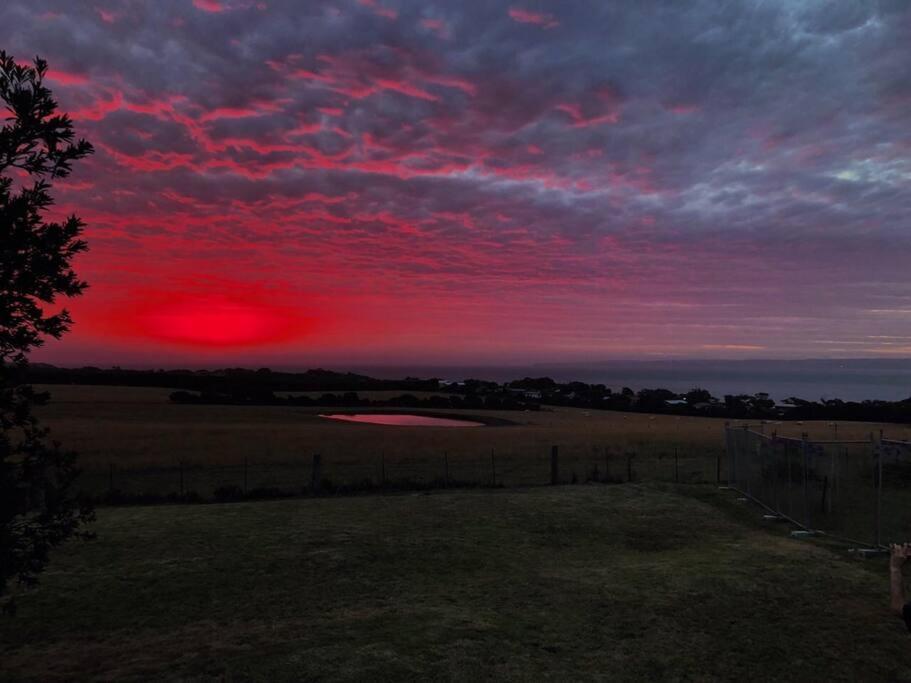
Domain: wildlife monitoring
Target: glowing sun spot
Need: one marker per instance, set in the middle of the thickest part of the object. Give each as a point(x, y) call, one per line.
point(214, 321)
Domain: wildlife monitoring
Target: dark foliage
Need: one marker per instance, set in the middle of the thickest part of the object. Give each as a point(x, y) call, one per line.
point(353, 400)
point(37, 145)
point(226, 380)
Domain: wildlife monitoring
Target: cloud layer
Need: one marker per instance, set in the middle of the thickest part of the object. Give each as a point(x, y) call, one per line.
point(488, 181)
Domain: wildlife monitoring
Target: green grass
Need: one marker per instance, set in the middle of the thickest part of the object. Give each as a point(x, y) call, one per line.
point(611, 582)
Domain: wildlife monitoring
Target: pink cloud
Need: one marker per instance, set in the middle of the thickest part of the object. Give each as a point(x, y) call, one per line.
point(66, 78)
point(683, 108)
point(97, 109)
point(580, 120)
point(541, 19)
point(438, 26)
point(360, 76)
point(257, 109)
point(209, 5)
point(378, 9)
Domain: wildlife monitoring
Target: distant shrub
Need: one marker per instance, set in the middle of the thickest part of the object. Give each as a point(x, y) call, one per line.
point(187, 497)
point(267, 492)
point(360, 486)
point(227, 493)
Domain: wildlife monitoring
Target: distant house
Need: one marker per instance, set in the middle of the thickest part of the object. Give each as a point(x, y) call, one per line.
point(525, 393)
point(676, 402)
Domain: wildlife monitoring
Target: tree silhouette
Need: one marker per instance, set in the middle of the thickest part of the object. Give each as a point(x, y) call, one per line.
point(38, 510)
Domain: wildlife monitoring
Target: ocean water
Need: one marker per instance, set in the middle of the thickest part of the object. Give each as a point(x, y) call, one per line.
point(814, 379)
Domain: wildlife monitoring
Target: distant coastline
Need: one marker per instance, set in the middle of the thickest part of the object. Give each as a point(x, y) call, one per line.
point(263, 386)
point(849, 379)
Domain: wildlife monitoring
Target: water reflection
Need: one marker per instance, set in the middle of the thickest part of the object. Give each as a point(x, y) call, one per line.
point(403, 420)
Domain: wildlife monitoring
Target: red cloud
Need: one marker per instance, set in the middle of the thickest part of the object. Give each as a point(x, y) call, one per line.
point(582, 121)
point(683, 108)
point(359, 76)
point(66, 78)
point(257, 109)
point(539, 18)
point(98, 109)
point(209, 5)
point(378, 9)
point(438, 26)
point(603, 107)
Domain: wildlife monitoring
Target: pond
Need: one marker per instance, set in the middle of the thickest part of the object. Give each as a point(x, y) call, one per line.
point(403, 420)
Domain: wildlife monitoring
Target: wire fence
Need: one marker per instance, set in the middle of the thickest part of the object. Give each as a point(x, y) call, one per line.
point(319, 474)
point(857, 490)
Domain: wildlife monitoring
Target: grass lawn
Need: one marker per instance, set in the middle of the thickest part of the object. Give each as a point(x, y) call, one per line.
point(613, 582)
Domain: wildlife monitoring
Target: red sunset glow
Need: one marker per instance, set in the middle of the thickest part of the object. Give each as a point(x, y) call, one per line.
point(214, 321)
point(480, 181)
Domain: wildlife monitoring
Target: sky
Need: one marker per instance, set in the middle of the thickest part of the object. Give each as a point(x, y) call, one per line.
point(379, 181)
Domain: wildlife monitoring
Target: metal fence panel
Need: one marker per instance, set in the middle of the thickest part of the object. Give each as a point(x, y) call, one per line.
point(855, 490)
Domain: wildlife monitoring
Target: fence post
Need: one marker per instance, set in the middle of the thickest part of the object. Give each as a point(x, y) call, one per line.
point(732, 455)
point(804, 448)
point(746, 450)
point(493, 469)
point(554, 466)
point(878, 480)
point(316, 478)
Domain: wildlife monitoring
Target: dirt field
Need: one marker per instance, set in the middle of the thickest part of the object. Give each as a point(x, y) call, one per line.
point(122, 431)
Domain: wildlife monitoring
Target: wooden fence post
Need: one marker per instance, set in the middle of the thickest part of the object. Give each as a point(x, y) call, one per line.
point(554, 466)
point(878, 479)
point(805, 453)
point(316, 478)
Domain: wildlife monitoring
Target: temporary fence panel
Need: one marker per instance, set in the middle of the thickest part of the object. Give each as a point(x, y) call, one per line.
point(855, 490)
